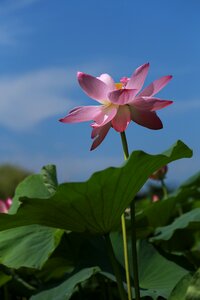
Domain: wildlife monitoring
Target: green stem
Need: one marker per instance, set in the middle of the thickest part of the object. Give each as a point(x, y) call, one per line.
point(133, 228)
point(15, 276)
point(6, 293)
point(126, 259)
point(179, 209)
point(115, 266)
point(123, 224)
point(124, 145)
point(164, 188)
point(134, 252)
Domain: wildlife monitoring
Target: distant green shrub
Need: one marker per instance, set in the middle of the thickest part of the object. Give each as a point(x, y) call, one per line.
point(10, 177)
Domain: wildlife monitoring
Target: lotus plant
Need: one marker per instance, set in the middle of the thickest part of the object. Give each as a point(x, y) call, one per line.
point(120, 103)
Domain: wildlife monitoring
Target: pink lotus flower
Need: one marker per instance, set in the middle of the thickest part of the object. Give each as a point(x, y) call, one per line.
point(119, 103)
point(5, 205)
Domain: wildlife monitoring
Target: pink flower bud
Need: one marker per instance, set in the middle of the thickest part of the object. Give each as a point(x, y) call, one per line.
point(160, 173)
point(3, 208)
point(155, 198)
point(5, 205)
point(8, 203)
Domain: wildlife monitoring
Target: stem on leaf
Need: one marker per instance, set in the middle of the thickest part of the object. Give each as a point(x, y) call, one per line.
point(126, 258)
point(164, 188)
point(116, 268)
point(134, 252)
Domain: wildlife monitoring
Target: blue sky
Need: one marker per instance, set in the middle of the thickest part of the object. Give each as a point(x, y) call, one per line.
point(43, 43)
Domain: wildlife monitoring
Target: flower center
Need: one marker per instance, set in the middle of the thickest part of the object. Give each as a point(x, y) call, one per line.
point(119, 85)
point(122, 84)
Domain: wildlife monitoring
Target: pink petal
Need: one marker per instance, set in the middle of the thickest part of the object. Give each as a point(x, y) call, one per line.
point(149, 103)
point(155, 86)
point(145, 118)
point(8, 203)
point(82, 114)
point(107, 79)
point(137, 79)
point(122, 96)
point(93, 87)
point(3, 208)
point(99, 133)
point(122, 118)
point(124, 80)
point(106, 115)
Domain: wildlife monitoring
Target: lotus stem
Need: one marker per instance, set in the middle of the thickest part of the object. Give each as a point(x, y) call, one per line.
point(133, 231)
point(116, 267)
point(164, 188)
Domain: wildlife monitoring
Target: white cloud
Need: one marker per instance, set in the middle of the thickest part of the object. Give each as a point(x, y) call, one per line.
point(27, 99)
point(32, 97)
point(11, 26)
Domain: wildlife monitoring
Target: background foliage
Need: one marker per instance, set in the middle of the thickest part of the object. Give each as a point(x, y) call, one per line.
point(52, 242)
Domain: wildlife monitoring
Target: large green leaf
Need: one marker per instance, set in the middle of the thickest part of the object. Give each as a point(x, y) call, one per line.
point(55, 268)
point(188, 194)
point(193, 290)
point(193, 182)
point(72, 251)
point(189, 220)
point(179, 292)
point(40, 186)
point(4, 278)
point(65, 290)
point(147, 220)
point(158, 276)
point(183, 199)
point(28, 246)
point(97, 204)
